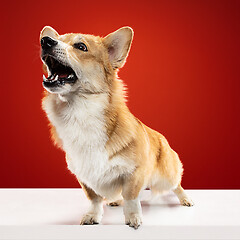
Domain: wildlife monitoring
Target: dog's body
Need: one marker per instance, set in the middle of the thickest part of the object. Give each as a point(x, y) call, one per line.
point(111, 152)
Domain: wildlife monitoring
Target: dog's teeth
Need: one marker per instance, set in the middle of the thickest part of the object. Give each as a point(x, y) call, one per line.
point(70, 76)
point(54, 77)
point(44, 78)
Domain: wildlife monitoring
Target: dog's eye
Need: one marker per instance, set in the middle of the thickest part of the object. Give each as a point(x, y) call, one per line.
point(80, 46)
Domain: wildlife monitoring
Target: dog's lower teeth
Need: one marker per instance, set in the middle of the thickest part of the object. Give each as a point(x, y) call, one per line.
point(59, 80)
point(49, 78)
point(70, 76)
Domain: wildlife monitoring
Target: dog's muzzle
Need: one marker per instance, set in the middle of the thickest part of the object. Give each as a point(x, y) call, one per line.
point(60, 72)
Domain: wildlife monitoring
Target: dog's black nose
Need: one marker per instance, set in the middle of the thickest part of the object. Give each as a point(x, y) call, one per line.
point(47, 42)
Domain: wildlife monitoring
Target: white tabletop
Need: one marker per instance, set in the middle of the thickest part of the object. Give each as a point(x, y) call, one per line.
point(56, 213)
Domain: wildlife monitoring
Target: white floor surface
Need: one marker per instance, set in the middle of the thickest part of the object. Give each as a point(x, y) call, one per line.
point(56, 213)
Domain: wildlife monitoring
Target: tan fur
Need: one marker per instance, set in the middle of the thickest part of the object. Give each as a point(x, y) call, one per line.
point(156, 165)
point(88, 191)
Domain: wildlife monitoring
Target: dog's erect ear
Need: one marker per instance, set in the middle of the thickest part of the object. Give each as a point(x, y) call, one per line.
point(48, 31)
point(118, 45)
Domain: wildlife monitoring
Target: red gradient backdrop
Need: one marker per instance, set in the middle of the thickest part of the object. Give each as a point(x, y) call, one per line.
point(182, 74)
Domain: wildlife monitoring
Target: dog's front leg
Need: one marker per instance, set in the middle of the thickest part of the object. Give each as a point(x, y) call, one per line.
point(95, 212)
point(132, 206)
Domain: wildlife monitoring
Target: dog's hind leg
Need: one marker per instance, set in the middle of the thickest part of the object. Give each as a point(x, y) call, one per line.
point(183, 197)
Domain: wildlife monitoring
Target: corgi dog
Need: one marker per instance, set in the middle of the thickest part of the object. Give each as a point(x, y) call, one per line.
point(112, 153)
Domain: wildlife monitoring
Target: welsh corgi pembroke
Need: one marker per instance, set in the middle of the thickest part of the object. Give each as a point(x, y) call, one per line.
point(112, 153)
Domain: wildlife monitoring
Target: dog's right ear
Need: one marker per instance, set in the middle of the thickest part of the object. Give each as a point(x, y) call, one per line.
point(48, 31)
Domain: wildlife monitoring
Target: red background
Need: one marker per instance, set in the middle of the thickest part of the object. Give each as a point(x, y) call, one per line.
point(182, 74)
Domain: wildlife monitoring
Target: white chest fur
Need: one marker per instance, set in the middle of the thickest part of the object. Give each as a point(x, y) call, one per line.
point(81, 126)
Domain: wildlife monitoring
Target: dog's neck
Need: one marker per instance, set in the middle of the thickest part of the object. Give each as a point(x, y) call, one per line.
point(73, 96)
point(115, 93)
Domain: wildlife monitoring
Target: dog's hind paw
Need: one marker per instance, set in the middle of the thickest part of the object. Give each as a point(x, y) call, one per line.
point(115, 204)
point(187, 202)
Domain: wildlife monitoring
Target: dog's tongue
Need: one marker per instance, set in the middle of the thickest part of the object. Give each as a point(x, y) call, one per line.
point(63, 75)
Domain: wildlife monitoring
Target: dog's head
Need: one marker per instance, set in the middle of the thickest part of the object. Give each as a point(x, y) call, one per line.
point(80, 62)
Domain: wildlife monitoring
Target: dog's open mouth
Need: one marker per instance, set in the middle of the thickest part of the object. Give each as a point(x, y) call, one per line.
point(60, 74)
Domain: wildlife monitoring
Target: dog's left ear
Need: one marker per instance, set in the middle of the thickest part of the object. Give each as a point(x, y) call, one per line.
point(118, 45)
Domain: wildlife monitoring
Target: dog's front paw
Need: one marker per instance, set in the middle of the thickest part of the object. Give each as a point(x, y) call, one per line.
point(90, 219)
point(133, 220)
point(187, 202)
